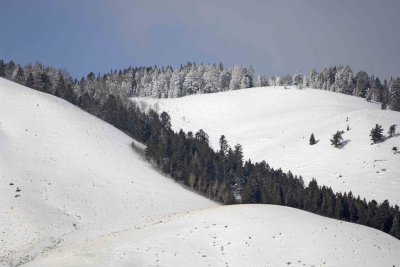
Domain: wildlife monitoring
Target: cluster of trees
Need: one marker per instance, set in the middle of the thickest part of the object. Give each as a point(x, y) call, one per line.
point(142, 81)
point(341, 79)
point(224, 176)
point(376, 135)
point(201, 78)
point(220, 175)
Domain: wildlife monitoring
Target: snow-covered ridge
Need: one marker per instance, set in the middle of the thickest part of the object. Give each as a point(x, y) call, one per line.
point(78, 177)
point(274, 124)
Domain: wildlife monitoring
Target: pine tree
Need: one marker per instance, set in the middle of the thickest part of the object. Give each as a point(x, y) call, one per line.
point(312, 139)
point(43, 82)
point(19, 76)
point(362, 84)
point(2, 69)
point(223, 145)
point(344, 81)
point(376, 134)
point(60, 87)
point(30, 82)
point(337, 139)
point(312, 80)
point(392, 130)
point(394, 88)
point(298, 80)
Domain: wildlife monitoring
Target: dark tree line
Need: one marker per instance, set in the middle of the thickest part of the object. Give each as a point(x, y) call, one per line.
point(221, 175)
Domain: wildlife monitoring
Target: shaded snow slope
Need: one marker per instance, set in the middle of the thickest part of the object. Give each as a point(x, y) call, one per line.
point(274, 124)
point(77, 177)
point(241, 235)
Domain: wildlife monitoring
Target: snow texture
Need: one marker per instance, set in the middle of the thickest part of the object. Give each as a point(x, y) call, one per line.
point(73, 193)
point(275, 124)
point(78, 177)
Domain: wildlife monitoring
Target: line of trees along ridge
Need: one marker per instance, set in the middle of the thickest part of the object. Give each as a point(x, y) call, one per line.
point(194, 78)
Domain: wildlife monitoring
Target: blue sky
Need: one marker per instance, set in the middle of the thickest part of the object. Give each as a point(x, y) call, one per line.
point(276, 37)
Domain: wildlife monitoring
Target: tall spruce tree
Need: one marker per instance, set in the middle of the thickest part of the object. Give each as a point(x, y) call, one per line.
point(2, 69)
point(394, 88)
point(30, 82)
point(376, 134)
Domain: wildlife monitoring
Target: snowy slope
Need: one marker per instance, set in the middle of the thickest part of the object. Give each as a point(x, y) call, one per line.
point(78, 176)
point(241, 235)
point(274, 124)
point(87, 199)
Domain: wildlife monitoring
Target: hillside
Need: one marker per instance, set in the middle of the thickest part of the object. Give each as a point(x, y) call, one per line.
point(73, 193)
point(274, 124)
point(77, 175)
point(241, 235)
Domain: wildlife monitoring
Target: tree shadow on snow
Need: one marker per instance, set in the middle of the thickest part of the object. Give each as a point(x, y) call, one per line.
point(344, 143)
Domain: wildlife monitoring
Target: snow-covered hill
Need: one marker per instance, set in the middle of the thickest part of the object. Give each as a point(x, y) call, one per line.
point(242, 235)
point(274, 124)
point(78, 176)
point(73, 193)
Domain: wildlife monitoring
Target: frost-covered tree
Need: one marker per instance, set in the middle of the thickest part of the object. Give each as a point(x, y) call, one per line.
point(344, 80)
point(30, 82)
point(175, 87)
point(245, 83)
point(362, 84)
point(211, 77)
point(298, 80)
point(394, 89)
point(313, 79)
point(236, 77)
point(19, 76)
point(224, 80)
point(337, 139)
point(286, 80)
point(192, 83)
point(377, 90)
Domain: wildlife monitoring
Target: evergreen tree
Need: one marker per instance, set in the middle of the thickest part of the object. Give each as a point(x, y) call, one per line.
point(60, 87)
point(223, 145)
point(362, 84)
point(376, 134)
point(312, 80)
point(2, 69)
point(30, 82)
point(19, 76)
point(395, 94)
point(344, 80)
point(43, 82)
point(312, 139)
point(392, 130)
point(298, 80)
point(337, 139)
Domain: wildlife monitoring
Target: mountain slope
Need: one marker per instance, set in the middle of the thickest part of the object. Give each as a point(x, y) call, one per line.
point(87, 199)
point(274, 124)
point(240, 235)
point(77, 175)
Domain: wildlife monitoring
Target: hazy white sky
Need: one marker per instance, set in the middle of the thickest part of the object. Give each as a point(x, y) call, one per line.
point(276, 37)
